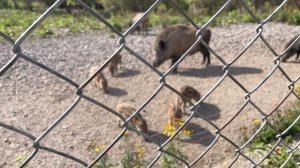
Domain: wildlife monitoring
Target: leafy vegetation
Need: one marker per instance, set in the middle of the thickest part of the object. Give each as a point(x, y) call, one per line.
point(71, 18)
point(266, 138)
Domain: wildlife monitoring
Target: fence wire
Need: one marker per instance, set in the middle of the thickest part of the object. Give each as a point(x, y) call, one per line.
point(18, 54)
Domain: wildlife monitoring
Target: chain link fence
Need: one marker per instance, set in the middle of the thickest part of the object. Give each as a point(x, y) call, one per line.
point(18, 54)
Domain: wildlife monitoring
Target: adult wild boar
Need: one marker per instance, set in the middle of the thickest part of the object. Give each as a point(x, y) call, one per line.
point(175, 40)
point(295, 49)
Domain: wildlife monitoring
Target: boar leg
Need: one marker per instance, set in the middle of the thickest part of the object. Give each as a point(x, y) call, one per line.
point(204, 59)
point(206, 55)
point(174, 60)
point(297, 57)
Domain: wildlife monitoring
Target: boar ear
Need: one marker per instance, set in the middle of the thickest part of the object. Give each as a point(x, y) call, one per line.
point(162, 45)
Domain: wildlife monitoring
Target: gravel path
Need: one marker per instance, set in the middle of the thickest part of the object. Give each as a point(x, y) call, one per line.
point(31, 98)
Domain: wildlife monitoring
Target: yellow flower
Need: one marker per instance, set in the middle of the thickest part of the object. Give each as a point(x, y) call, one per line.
point(20, 159)
point(126, 134)
point(138, 145)
point(100, 148)
point(169, 130)
point(141, 153)
point(172, 133)
point(256, 121)
point(179, 122)
point(188, 132)
point(165, 132)
point(297, 90)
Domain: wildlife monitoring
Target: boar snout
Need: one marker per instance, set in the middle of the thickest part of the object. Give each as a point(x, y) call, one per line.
point(156, 62)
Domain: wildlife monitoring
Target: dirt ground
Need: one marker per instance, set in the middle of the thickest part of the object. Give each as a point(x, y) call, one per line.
point(32, 98)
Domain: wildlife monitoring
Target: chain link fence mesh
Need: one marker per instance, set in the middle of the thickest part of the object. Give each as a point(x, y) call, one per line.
point(18, 54)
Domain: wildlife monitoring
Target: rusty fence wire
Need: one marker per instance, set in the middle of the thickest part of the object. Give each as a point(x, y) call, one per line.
point(18, 54)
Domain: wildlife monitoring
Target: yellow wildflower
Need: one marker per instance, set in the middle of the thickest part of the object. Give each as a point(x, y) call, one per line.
point(20, 159)
point(100, 148)
point(141, 153)
point(179, 122)
point(256, 121)
point(169, 130)
point(172, 133)
point(297, 90)
point(126, 134)
point(138, 145)
point(188, 132)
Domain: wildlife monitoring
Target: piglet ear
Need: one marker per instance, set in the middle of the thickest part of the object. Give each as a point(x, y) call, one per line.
point(162, 45)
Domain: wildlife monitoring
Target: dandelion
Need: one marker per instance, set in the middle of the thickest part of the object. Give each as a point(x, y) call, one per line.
point(179, 122)
point(172, 133)
point(138, 145)
point(126, 134)
point(256, 121)
point(188, 132)
point(297, 90)
point(100, 148)
point(169, 130)
point(20, 159)
point(141, 153)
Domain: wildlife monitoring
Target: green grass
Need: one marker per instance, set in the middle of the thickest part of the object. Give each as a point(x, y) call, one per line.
point(266, 138)
point(280, 121)
point(15, 22)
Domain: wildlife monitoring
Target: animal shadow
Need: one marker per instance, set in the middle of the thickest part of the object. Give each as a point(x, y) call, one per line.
point(158, 137)
point(128, 73)
point(213, 71)
point(199, 135)
point(208, 111)
point(116, 91)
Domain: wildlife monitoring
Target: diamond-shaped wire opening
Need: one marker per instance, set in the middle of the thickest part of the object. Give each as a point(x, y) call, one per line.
point(214, 155)
point(267, 96)
point(97, 123)
point(129, 151)
point(46, 158)
point(28, 91)
point(20, 143)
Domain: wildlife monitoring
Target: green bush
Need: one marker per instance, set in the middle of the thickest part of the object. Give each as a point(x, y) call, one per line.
point(296, 19)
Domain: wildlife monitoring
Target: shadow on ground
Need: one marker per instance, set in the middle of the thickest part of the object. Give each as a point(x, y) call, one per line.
point(200, 136)
point(213, 71)
point(128, 73)
point(116, 91)
point(208, 111)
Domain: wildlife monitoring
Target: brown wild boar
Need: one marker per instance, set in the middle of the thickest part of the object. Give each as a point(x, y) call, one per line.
point(114, 63)
point(143, 26)
point(188, 92)
point(126, 110)
point(177, 108)
point(99, 81)
point(295, 49)
point(175, 40)
point(175, 112)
